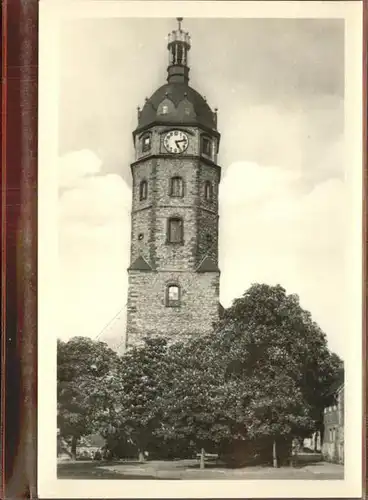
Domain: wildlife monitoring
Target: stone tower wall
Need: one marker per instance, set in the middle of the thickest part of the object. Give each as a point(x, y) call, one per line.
point(148, 315)
point(171, 263)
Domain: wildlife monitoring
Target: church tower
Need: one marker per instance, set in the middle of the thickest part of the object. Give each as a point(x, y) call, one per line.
point(173, 273)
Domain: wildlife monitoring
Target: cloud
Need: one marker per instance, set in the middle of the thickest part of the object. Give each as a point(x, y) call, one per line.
point(259, 183)
point(272, 231)
point(306, 138)
point(94, 217)
point(73, 167)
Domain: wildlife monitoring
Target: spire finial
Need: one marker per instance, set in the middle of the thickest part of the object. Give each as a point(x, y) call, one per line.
point(178, 46)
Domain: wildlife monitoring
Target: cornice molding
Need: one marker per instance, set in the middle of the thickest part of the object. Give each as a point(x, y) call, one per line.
point(165, 156)
point(170, 124)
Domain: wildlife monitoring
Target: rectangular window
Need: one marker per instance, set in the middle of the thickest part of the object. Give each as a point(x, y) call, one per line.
point(208, 191)
point(143, 190)
point(206, 146)
point(173, 293)
point(175, 230)
point(176, 187)
point(146, 143)
point(173, 296)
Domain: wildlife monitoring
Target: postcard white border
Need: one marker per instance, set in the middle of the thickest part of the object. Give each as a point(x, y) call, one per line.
point(50, 14)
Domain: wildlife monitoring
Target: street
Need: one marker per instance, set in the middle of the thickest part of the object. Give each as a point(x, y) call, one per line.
point(189, 469)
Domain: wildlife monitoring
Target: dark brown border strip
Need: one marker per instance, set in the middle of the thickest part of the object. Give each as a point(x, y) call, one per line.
point(3, 249)
point(19, 248)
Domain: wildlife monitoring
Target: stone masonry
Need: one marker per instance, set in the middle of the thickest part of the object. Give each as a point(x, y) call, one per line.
point(157, 264)
point(168, 263)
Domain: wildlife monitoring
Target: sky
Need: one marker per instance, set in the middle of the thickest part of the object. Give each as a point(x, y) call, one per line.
point(279, 88)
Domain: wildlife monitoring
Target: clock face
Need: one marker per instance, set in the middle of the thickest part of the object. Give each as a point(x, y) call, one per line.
point(176, 141)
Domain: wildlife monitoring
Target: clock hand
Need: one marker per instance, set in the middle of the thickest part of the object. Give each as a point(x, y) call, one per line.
point(178, 141)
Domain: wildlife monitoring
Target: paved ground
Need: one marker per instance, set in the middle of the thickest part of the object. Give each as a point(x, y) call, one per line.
point(189, 469)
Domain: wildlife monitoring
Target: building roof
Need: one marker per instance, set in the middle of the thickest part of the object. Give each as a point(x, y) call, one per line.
point(338, 384)
point(207, 265)
point(184, 105)
point(177, 102)
point(221, 310)
point(140, 264)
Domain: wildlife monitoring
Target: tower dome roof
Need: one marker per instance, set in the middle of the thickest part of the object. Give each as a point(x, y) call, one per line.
point(177, 102)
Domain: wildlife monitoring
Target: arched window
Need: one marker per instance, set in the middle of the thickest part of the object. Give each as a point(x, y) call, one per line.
point(175, 230)
point(206, 146)
point(176, 186)
point(172, 295)
point(146, 143)
point(208, 191)
point(143, 190)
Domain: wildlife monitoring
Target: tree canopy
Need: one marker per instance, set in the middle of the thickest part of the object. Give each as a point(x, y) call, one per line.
point(265, 373)
point(84, 369)
point(262, 377)
point(266, 332)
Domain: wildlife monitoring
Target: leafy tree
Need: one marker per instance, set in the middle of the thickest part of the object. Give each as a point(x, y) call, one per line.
point(133, 415)
point(261, 378)
point(192, 398)
point(267, 333)
point(215, 406)
point(84, 370)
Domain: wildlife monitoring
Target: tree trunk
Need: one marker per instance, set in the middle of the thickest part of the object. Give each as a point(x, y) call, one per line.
point(315, 441)
point(141, 456)
point(201, 463)
point(321, 430)
point(295, 443)
point(291, 455)
point(74, 448)
point(274, 454)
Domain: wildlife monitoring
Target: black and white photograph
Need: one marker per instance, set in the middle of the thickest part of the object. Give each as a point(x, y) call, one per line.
point(200, 249)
